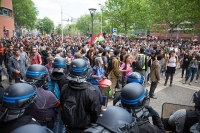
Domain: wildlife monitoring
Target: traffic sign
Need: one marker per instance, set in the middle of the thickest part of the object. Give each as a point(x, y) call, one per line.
point(114, 30)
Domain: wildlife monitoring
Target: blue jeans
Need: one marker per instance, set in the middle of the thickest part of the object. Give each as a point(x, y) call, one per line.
point(59, 126)
point(192, 71)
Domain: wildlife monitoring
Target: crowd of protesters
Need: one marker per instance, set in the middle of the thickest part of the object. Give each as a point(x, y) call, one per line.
point(115, 58)
point(18, 53)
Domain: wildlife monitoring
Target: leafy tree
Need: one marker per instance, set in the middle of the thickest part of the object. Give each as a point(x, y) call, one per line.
point(59, 29)
point(126, 14)
point(25, 13)
point(45, 25)
point(84, 24)
point(71, 29)
point(171, 12)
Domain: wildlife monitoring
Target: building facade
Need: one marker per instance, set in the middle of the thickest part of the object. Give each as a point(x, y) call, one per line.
point(183, 31)
point(6, 19)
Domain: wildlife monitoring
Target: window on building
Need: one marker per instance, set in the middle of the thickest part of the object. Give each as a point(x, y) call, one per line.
point(5, 12)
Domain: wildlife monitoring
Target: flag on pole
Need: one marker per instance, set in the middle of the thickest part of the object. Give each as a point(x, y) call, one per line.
point(100, 37)
point(92, 39)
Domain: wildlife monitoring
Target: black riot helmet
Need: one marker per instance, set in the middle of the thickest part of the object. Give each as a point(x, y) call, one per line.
point(113, 118)
point(59, 62)
point(16, 99)
point(31, 128)
point(196, 99)
point(37, 75)
point(135, 77)
point(59, 68)
point(78, 70)
point(133, 95)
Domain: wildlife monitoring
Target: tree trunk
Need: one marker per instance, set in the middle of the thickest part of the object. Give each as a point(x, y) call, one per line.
point(192, 35)
point(171, 34)
point(165, 34)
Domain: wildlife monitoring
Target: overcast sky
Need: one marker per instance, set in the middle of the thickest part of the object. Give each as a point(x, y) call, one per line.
point(74, 8)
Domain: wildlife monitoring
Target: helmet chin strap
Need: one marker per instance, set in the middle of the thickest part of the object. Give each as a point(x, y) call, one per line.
point(78, 79)
point(10, 114)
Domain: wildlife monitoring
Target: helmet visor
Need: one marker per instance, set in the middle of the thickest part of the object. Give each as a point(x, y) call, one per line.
point(40, 100)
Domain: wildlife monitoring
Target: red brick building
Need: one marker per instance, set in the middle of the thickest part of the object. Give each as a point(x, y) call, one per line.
point(6, 18)
point(183, 31)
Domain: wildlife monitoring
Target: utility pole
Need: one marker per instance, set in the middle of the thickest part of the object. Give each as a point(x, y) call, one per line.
point(101, 18)
point(62, 23)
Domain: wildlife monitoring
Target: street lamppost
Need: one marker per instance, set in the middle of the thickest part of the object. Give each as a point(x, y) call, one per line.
point(92, 12)
point(101, 17)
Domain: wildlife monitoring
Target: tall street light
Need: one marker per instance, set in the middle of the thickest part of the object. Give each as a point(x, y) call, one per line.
point(101, 17)
point(92, 12)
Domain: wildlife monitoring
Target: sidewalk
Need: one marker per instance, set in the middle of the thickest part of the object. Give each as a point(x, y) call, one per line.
point(177, 81)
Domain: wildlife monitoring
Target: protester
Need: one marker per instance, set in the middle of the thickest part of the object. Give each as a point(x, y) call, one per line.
point(192, 68)
point(170, 66)
point(155, 76)
point(35, 57)
point(114, 73)
point(125, 69)
point(17, 65)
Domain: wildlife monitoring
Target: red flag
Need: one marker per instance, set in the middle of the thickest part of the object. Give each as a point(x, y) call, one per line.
point(92, 39)
point(67, 36)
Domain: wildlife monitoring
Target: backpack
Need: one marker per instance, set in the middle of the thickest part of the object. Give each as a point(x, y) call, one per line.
point(69, 105)
point(140, 61)
point(54, 88)
point(110, 65)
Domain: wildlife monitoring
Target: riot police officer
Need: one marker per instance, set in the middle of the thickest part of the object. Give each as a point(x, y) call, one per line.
point(114, 119)
point(45, 113)
point(133, 98)
point(17, 103)
point(58, 73)
point(80, 101)
point(58, 76)
point(183, 119)
point(134, 77)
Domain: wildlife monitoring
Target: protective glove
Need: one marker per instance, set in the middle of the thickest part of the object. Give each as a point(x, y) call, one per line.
point(152, 112)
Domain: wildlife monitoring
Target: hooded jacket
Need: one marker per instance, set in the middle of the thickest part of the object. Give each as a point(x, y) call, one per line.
point(115, 73)
point(155, 71)
point(60, 78)
point(80, 105)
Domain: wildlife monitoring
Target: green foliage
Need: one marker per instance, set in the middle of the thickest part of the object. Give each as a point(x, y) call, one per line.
point(25, 13)
point(70, 29)
point(84, 24)
point(174, 12)
point(45, 25)
point(126, 14)
point(59, 29)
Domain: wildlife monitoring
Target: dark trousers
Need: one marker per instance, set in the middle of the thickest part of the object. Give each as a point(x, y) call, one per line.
point(1, 60)
point(184, 68)
point(10, 75)
point(167, 77)
point(152, 88)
